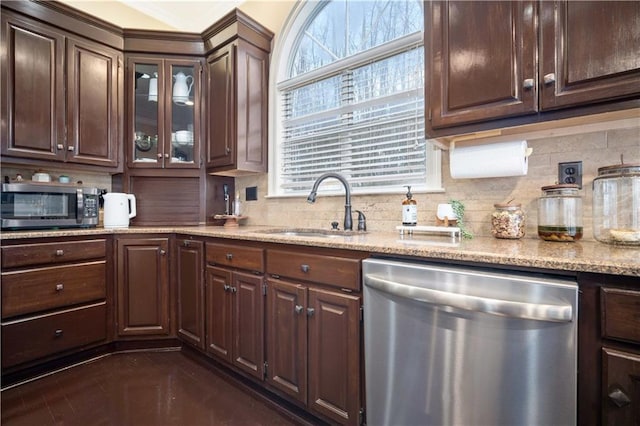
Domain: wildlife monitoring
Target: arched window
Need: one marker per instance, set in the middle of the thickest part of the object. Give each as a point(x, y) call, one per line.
point(349, 98)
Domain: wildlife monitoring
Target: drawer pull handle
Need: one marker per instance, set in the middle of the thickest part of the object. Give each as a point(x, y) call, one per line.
point(59, 287)
point(58, 333)
point(304, 268)
point(299, 309)
point(528, 83)
point(619, 398)
point(186, 243)
point(310, 312)
point(229, 256)
point(549, 78)
point(59, 252)
point(234, 289)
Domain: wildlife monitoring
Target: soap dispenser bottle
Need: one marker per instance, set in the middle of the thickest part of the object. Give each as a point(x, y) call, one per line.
point(409, 210)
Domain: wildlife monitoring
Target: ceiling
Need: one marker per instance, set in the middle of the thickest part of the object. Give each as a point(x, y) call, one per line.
point(189, 15)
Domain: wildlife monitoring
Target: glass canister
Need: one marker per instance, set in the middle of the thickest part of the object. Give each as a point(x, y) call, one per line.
point(507, 221)
point(616, 204)
point(560, 213)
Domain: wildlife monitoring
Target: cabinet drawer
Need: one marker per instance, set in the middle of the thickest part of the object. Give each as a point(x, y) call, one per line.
point(235, 256)
point(45, 253)
point(36, 337)
point(337, 271)
point(621, 314)
point(34, 290)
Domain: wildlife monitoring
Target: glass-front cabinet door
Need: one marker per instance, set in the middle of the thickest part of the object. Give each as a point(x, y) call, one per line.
point(164, 113)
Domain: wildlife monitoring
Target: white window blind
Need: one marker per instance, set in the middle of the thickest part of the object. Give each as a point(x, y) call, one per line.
point(361, 111)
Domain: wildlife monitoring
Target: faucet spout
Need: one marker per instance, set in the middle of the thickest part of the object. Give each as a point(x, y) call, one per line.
point(348, 223)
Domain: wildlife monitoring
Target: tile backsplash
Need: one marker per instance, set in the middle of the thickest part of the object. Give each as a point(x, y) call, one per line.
point(597, 149)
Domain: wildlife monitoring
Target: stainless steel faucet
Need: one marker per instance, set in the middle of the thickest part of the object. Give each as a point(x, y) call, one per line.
point(348, 223)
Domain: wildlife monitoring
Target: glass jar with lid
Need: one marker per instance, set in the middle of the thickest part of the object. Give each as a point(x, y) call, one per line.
point(560, 213)
point(616, 204)
point(507, 221)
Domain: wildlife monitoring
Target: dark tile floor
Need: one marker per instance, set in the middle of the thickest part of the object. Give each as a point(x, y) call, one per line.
point(137, 388)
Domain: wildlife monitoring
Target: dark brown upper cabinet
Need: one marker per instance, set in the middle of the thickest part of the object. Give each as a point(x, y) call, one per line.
point(492, 64)
point(237, 74)
point(60, 98)
point(164, 104)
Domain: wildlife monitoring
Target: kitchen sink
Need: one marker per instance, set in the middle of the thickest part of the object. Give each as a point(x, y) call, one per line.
point(310, 232)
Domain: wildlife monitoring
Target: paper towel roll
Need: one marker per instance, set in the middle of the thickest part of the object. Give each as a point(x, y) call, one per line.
point(490, 160)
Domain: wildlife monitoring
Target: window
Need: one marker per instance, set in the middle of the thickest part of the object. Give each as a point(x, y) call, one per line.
point(350, 98)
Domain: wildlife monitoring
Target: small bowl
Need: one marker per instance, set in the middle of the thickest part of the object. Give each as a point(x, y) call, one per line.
point(184, 136)
point(64, 179)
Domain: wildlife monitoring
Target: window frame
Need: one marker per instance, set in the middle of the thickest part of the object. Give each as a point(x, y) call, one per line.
point(284, 42)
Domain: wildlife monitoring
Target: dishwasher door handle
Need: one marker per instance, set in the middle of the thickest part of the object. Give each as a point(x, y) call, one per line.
point(499, 307)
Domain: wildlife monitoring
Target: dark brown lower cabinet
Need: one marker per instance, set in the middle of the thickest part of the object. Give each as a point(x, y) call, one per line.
point(235, 318)
point(609, 350)
point(142, 297)
point(313, 348)
point(189, 267)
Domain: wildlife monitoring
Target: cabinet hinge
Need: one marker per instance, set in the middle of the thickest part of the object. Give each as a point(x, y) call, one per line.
point(362, 418)
point(266, 364)
point(429, 117)
point(361, 313)
point(264, 289)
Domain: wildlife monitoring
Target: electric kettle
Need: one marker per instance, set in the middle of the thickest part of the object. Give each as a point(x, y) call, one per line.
point(118, 209)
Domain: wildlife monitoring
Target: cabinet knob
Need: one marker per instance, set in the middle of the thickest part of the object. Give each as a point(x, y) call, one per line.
point(310, 312)
point(162, 252)
point(549, 78)
point(227, 150)
point(234, 289)
point(299, 309)
point(185, 243)
point(59, 252)
point(70, 148)
point(59, 287)
point(166, 155)
point(60, 146)
point(159, 155)
point(58, 333)
point(229, 256)
point(304, 268)
point(226, 287)
point(528, 83)
point(618, 397)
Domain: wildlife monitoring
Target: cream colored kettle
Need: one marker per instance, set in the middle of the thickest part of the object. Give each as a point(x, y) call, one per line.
point(118, 209)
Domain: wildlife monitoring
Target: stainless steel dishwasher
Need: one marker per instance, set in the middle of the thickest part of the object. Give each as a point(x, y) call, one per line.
point(468, 346)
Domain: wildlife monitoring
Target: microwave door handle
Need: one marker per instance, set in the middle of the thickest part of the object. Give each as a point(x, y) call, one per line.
point(79, 205)
point(499, 307)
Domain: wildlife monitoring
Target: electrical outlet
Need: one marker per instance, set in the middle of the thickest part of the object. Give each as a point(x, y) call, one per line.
point(570, 172)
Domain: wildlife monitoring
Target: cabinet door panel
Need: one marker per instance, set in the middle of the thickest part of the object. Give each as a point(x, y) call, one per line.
point(248, 323)
point(287, 338)
point(334, 355)
point(220, 99)
point(479, 53)
point(143, 287)
point(218, 312)
point(32, 65)
point(620, 382)
point(190, 256)
point(252, 80)
point(592, 48)
point(92, 90)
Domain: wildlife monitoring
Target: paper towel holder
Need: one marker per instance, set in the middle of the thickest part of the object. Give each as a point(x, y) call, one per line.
point(528, 152)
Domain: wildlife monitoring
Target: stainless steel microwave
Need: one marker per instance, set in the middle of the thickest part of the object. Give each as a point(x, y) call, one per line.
point(41, 205)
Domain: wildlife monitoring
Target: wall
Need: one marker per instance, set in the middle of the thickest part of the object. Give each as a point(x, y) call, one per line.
point(383, 212)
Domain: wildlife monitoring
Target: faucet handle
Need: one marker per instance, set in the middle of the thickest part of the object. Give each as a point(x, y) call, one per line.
point(334, 226)
point(362, 221)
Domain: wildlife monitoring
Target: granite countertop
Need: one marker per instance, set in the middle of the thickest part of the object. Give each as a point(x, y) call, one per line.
point(583, 256)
